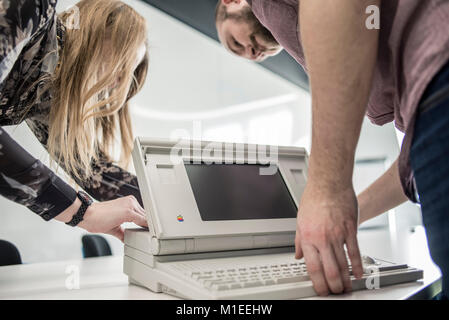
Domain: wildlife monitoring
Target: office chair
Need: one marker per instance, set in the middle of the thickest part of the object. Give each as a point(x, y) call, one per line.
point(95, 246)
point(9, 254)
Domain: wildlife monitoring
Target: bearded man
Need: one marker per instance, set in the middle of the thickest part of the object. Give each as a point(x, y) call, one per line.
point(394, 70)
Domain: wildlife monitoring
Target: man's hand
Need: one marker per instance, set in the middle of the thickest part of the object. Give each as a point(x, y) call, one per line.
point(340, 53)
point(326, 222)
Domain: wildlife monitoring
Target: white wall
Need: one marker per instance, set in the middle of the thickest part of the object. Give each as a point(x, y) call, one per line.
point(192, 83)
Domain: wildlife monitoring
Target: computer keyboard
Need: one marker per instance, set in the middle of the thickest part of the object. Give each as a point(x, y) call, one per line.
point(217, 276)
point(251, 276)
point(247, 276)
point(264, 276)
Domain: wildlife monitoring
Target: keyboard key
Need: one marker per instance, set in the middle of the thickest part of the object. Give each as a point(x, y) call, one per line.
point(293, 279)
point(235, 285)
point(269, 282)
point(230, 279)
point(205, 280)
point(250, 284)
point(205, 276)
point(220, 287)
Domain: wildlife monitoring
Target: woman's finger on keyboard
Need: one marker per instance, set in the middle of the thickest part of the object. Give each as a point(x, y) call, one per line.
point(315, 269)
point(332, 269)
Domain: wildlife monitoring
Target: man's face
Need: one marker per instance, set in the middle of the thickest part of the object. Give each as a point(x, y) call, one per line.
point(245, 36)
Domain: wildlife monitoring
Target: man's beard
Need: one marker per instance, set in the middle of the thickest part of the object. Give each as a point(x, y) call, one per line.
point(259, 30)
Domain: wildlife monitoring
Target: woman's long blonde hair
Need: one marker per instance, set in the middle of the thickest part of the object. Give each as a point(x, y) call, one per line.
point(87, 109)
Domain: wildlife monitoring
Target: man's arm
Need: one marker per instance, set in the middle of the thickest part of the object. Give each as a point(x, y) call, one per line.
point(382, 195)
point(340, 55)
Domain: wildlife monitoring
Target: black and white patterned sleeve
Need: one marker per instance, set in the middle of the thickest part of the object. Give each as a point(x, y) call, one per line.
point(19, 21)
point(108, 180)
point(25, 180)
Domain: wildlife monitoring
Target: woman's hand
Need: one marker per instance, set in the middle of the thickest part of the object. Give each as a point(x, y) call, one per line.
point(108, 216)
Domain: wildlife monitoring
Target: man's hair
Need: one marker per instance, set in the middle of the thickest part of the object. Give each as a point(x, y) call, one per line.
point(222, 14)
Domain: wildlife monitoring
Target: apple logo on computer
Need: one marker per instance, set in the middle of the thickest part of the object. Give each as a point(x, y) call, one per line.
point(180, 218)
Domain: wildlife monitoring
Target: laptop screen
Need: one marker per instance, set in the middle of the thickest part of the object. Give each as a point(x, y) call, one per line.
point(239, 192)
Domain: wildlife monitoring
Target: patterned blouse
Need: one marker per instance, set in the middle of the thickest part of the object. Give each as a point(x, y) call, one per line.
point(31, 36)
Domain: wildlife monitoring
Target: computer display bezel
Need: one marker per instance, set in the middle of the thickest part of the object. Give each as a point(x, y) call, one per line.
point(170, 203)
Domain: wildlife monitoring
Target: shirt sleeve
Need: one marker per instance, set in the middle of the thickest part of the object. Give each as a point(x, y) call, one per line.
point(19, 21)
point(107, 181)
point(25, 180)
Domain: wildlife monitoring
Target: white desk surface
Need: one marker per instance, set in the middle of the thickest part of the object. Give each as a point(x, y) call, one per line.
point(103, 278)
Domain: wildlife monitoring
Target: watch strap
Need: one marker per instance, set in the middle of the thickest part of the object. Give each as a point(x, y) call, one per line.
point(86, 201)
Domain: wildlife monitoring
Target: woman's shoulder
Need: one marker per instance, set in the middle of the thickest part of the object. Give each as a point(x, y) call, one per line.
point(23, 18)
point(21, 21)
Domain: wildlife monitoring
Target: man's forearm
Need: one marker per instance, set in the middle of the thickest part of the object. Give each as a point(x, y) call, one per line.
point(384, 194)
point(340, 55)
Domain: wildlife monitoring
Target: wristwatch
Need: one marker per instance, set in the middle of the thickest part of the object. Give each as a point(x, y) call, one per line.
point(86, 201)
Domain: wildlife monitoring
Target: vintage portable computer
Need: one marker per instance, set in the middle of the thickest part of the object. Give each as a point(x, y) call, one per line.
point(222, 221)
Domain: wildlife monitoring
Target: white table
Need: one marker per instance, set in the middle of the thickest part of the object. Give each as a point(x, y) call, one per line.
point(103, 278)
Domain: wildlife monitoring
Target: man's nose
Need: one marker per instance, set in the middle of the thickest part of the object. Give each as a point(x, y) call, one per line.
point(252, 53)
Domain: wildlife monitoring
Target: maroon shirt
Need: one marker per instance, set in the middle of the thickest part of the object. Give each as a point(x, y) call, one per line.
point(413, 47)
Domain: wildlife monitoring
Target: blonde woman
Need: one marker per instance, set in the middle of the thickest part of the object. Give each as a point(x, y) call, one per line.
point(72, 84)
